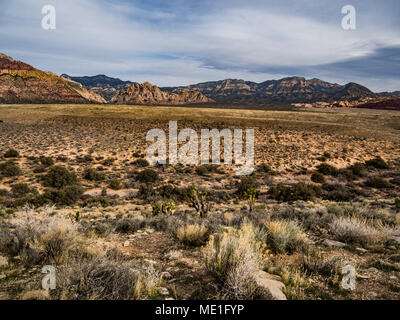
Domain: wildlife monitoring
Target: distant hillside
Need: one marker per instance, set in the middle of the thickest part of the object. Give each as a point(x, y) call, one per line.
point(147, 93)
point(283, 91)
point(22, 83)
point(105, 86)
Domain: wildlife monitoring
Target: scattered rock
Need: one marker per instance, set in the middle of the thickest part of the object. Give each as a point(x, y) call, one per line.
point(174, 254)
point(166, 275)
point(3, 261)
point(2, 276)
point(333, 243)
point(164, 291)
point(150, 231)
point(271, 285)
point(372, 269)
point(127, 244)
point(361, 250)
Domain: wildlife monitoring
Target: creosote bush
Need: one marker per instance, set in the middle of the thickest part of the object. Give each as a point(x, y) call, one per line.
point(93, 175)
point(10, 169)
point(327, 169)
point(377, 163)
point(378, 183)
point(59, 177)
point(318, 177)
point(192, 234)
point(299, 191)
point(147, 176)
point(11, 153)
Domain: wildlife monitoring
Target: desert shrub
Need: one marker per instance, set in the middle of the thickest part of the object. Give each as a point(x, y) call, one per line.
point(397, 204)
point(147, 176)
point(285, 235)
point(146, 191)
point(378, 183)
point(315, 263)
point(169, 191)
point(115, 184)
point(3, 192)
point(68, 195)
point(202, 170)
point(20, 189)
point(11, 153)
point(10, 169)
point(96, 201)
point(357, 169)
point(106, 279)
point(141, 163)
point(59, 177)
point(355, 230)
point(246, 183)
point(46, 161)
point(130, 225)
point(93, 175)
point(318, 177)
point(377, 163)
point(265, 168)
point(40, 238)
point(234, 259)
point(192, 234)
point(299, 191)
point(108, 162)
point(327, 169)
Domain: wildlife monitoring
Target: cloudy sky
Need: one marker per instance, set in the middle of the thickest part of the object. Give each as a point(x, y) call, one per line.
point(180, 42)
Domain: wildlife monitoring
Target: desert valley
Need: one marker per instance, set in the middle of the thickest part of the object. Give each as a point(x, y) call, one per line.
point(77, 192)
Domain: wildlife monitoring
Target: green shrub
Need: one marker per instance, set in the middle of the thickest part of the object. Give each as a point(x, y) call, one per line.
point(357, 169)
point(247, 183)
point(147, 176)
point(59, 177)
point(318, 177)
point(377, 182)
point(20, 189)
point(3, 192)
point(46, 161)
point(327, 169)
point(68, 195)
point(377, 163)
point(93, 175)
point(299, 191)
point(11, 153)
point(169, 191)
point(202, 170)
point(115, 184)
point(10, 169)
point(397, 204)
point(141, 163)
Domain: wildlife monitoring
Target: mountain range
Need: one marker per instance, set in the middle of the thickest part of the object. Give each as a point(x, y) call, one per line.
point(22, 83)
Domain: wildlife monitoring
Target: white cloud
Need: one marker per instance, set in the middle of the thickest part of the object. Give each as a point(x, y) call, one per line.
point(125, 40)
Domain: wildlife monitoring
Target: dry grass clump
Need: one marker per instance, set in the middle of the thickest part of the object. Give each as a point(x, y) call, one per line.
point(40, 238)
point(192, 234)
point(355, 230)
point(234, 258)
point(285, 235)
point(105, 279)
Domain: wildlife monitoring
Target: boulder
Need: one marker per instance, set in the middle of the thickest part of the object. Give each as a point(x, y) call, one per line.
point(271, 286)
point(333, 243)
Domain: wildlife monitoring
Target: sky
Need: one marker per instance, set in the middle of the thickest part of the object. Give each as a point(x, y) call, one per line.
point(182, 42)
